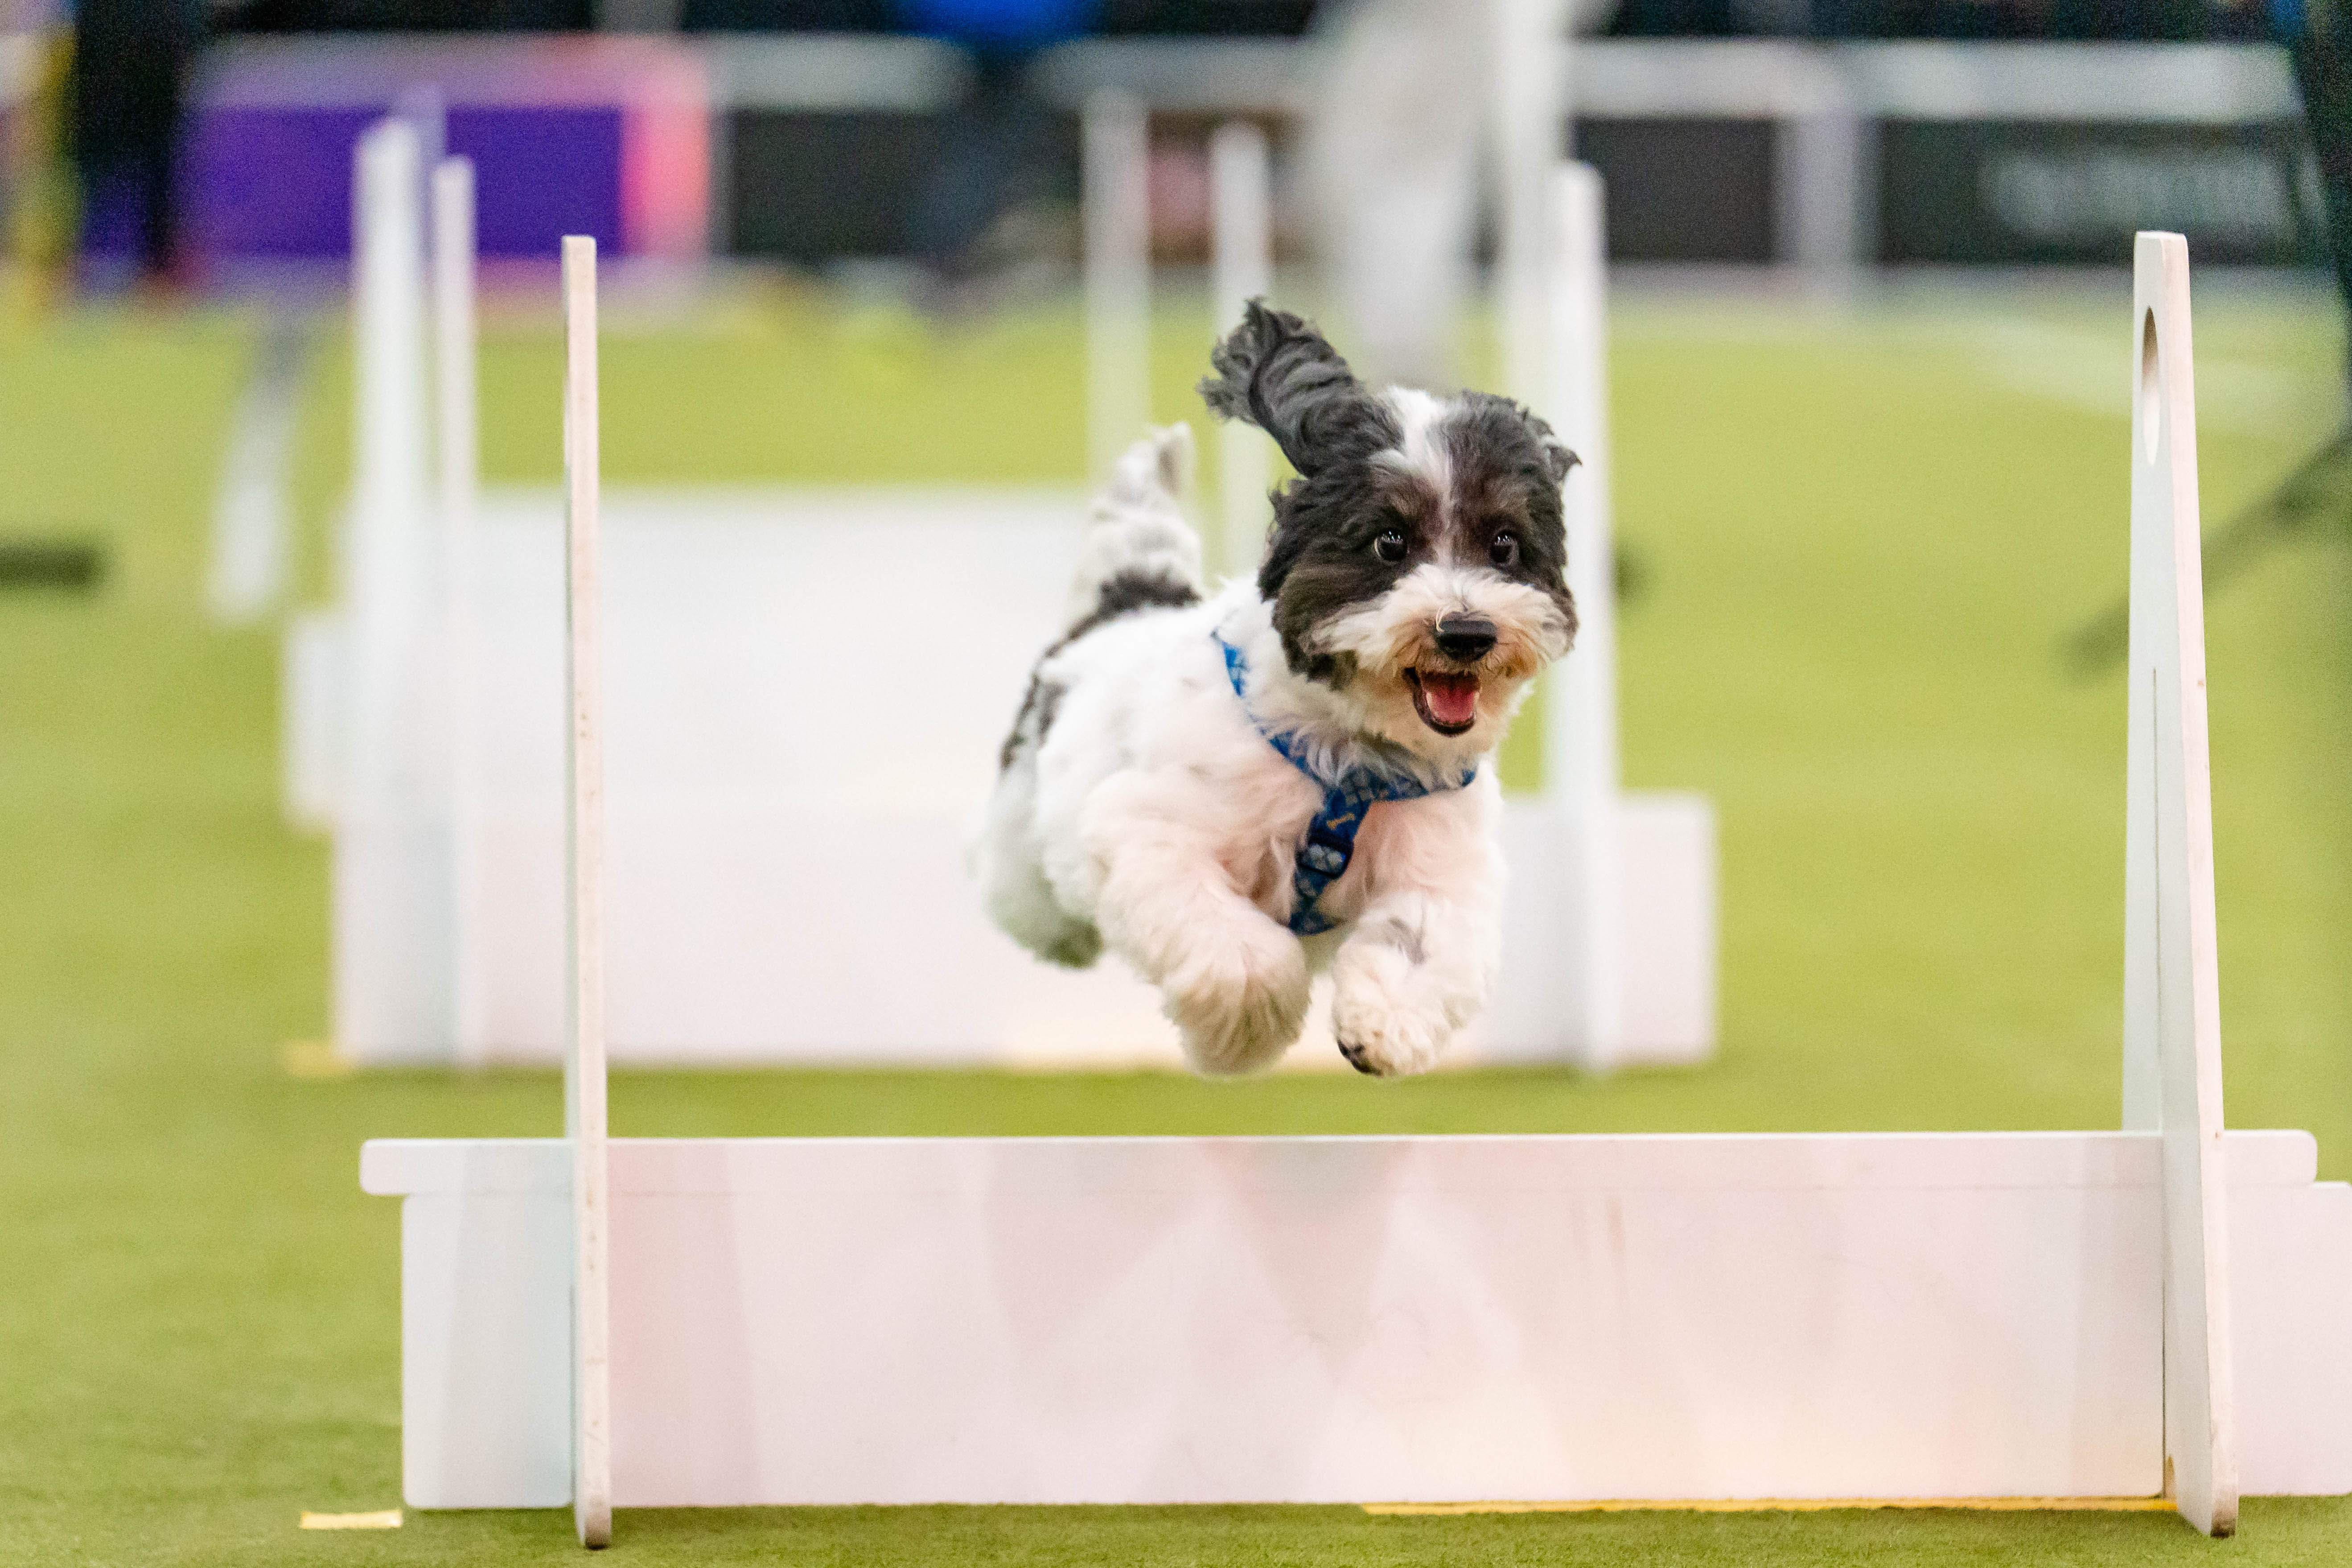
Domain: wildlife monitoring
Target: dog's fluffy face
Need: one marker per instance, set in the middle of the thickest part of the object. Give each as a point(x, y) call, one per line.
point(1417, 566)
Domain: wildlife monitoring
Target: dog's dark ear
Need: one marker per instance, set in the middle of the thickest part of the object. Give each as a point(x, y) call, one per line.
point(1561, 460)
point(1277, 372)
point(1557, 459)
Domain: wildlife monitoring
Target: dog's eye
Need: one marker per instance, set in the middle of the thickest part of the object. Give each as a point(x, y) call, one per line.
point(1505, 551)
point(1390, 546)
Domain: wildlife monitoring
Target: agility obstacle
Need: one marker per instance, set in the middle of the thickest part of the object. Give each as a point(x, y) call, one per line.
point(2153, 1313)
point(754, 883)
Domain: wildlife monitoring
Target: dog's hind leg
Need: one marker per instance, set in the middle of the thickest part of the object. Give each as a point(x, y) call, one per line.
point(1008, 856)
point(1138, 555)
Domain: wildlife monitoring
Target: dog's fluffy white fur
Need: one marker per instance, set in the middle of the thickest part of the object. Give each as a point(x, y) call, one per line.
point(1416, 560)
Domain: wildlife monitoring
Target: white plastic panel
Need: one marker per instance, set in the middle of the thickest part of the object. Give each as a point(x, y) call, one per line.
point(1197, 1320)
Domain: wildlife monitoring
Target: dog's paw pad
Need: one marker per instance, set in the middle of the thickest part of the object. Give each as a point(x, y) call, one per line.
point(1386, 1034)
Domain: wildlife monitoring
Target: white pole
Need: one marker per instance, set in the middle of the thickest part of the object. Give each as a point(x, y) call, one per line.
point(423, 108)
point(457, 446)
point(1581, 761)
point(249, 521)
point(1822, 174)
point(1528, 120)
point(1241, 199)
point(1116, 196)
point(583, 1060)
point(393, 877)
point(2172, 1006)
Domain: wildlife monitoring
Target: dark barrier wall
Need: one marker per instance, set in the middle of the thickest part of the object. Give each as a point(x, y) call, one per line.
point(2032, 192)
point(1684, 190)
point(407, 16)
point(808, 187)
point(812, 186)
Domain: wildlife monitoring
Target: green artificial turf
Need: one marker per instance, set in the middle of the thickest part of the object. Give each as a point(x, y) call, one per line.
point(1865, 540)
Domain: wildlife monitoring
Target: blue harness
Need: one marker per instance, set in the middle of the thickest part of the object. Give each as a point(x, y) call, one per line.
point(1330, 838)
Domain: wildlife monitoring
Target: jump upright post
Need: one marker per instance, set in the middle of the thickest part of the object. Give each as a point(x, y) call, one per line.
point(583, 1062)
point(1580, 694)
point(2138, 1318)
point(2172, 1006)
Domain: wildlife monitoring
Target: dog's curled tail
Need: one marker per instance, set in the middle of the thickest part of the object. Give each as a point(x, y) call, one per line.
point(1141, 553)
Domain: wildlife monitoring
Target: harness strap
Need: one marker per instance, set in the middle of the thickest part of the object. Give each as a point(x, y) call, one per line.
point(1330, 839)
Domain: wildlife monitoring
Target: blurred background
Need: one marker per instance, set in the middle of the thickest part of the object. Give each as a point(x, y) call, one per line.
point(1869, 348)
point(209, 144)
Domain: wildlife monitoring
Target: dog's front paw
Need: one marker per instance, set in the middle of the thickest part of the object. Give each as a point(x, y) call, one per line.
point(1389, 1019)
point(1240, 997)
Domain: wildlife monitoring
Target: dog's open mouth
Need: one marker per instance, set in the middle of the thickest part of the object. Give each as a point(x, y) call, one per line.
point(1447, 702)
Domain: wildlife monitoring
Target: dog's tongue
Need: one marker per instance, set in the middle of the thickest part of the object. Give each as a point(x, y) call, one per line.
point(1453, 698)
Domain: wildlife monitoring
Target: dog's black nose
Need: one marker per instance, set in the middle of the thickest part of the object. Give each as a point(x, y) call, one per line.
point(1465, 637)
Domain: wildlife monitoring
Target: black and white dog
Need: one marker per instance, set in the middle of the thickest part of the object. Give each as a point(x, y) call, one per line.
point(1295, 774)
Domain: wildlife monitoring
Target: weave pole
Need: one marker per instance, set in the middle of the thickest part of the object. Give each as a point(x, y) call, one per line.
point(457, 481)
point(1117, 198)
point(394, 995)
point(583, 1062)
point(1526, 133)
point(1240, 201)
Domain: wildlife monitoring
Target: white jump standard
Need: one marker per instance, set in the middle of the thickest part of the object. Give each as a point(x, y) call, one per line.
point(2152, 1311)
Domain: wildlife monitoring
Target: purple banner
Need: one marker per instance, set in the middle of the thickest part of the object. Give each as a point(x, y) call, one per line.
point(275, 182)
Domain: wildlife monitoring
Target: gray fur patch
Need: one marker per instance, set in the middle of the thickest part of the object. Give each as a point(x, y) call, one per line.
point(1122, 593)
point(1395, 933)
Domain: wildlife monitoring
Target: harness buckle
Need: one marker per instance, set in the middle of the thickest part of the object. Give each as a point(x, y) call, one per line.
point(1324, 852)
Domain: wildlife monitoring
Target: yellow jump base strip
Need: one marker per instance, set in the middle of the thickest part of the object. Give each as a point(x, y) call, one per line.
point(1792, 1505)
point(386, 1519)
